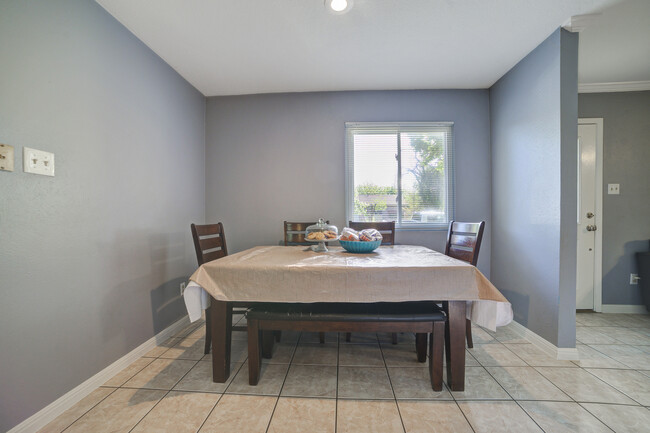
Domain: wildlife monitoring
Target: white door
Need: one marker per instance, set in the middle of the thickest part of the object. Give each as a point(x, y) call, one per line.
point(587, 278)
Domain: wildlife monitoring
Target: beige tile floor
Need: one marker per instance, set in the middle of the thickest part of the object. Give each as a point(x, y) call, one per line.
point(369, 385)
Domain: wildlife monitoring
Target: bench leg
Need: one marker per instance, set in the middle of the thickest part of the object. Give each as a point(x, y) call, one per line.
point(435, 355)
point(348, 336)
point(254, 359)
point(278, 336)
point(267, 344)
point(421, 346)
point(394, 337)
point(321, 337)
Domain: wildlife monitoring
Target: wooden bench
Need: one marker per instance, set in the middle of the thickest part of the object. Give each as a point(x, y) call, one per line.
point(422, 318)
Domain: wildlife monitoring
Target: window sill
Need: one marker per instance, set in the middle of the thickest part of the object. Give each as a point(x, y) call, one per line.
point(423, 228)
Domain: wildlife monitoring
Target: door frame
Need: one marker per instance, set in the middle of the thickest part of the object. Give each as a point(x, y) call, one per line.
point(598, 260)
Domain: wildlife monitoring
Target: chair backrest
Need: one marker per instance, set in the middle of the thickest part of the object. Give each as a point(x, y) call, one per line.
point(387, 229)
point(464, 241)
point(209, 242)
point(294, 232)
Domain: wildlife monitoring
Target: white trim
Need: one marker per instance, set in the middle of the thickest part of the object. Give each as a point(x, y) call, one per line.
point(598, 246)
point(568, 354)
point(396, 128)
point(563, 353)
point(69, 399)
point(625, 309)
point(623, 86)
point(578, 23)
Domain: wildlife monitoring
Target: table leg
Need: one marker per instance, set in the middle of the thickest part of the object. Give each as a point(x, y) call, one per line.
point(455, 345)
point(221, 316)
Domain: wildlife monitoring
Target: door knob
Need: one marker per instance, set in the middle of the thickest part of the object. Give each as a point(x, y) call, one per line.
point(590, 215)
point(591, 228)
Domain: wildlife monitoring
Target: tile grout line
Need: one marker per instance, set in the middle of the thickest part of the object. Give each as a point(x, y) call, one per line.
point(268, 426)
point(399, 412)
point(210, 413)
point(527, 364)
point(603, 353)
point(220, 397)
point(121, 386)
point(452, 394)
point(601, 421)
point(614, 387)
point(551, 382)
point(80, 416)
point(166, 394)
point(149, 411)
point(513, 399)
point(336, 393)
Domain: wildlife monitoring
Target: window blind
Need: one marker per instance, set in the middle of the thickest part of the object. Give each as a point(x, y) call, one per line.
point(401, 172)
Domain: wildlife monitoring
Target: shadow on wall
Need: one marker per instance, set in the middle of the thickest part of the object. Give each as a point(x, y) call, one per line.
point(147, 300)
point(619, 274)
point(520, 305)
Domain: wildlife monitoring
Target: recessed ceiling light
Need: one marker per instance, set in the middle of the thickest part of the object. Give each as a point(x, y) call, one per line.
point(338, 6)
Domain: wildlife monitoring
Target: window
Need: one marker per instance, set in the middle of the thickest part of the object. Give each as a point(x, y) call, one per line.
point(400, 172)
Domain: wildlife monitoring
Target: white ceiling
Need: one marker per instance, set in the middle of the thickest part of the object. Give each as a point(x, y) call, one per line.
point(616, 46)
point(231, 47)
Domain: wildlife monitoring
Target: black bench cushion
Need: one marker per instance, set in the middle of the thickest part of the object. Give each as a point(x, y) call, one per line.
point(349, 312)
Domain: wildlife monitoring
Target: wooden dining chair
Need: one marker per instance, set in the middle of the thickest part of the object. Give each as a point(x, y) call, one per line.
point(464, 243)
point(387, 230)
point(294, 234)
point(210, 244)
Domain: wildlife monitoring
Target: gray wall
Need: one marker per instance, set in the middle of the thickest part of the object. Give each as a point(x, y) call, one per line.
point(90, 260)
point(279, 157)
point(533, 111)
point(626, 217)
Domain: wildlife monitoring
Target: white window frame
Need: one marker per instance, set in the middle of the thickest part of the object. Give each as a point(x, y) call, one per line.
point(399, 127)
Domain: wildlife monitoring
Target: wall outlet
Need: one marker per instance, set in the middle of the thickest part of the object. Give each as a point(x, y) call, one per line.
point(6, 157)
point(613, 188)
point(634, 279)
point(182, 288)
point(38, 162)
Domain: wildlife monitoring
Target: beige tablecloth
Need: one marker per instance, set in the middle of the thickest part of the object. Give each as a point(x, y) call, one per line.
point(389, 274)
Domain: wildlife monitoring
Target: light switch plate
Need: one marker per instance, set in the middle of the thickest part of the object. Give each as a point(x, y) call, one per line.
point(6, 157)
point(38, 162)
point(613, 188)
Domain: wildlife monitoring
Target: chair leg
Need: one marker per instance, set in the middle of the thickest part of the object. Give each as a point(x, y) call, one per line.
point(267, 344)
point(208, 331)
point(254, 360)
point(421, 346)
point(278, 336)
point(321, 337)
point(468, 333)
point(394, 338)
point(435, 355)
point(348, 336)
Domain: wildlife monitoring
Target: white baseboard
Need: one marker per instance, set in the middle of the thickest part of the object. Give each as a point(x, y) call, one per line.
point(69, 399)
point(563, 353)
point(624, 309)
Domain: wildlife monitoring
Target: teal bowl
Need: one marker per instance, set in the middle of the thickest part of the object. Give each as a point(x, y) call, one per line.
point(360, 246)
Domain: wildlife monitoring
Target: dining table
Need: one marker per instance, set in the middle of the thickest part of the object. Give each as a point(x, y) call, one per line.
point(396, 273)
